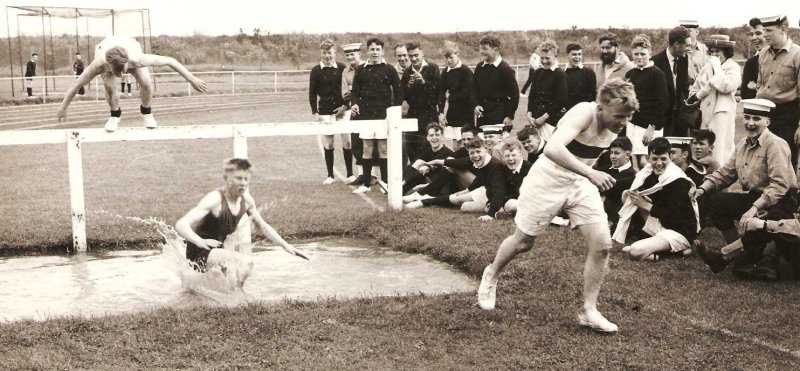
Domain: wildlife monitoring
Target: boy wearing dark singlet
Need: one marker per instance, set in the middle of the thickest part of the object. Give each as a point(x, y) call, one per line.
point(206, 226)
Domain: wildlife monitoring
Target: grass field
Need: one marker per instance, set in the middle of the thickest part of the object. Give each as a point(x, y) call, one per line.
point(673, 314)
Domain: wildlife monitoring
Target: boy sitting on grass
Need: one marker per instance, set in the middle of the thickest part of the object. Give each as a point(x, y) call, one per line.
point(488, 186)
point(617, 163)
point(660, 196)
point(532, 142)
point(492, 135)
point(515, 171)
point(703, 151)
point(423, 179)
point(682, 157)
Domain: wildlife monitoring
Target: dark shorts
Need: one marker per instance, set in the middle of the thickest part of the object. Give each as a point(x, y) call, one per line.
point(197, 256)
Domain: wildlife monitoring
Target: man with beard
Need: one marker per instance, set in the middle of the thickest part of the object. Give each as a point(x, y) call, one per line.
point(750, 72)
point(615, 63)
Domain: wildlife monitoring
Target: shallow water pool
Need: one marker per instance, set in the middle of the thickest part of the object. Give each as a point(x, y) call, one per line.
point(129, 281)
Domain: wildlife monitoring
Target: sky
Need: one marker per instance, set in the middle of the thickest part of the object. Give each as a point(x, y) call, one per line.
point(183, 18)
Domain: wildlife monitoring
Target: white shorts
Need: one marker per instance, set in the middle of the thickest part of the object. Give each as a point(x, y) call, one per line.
point(373, 134)
point(327, 119)
point(479, 195)
point(635, 134)
point(452, 132)
point(551, 189)
point(677, 242)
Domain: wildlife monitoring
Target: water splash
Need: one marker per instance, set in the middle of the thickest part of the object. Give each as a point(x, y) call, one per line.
point(213, 284)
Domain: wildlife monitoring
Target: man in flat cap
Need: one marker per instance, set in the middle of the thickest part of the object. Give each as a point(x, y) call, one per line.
point(762, 167)
point(779, 70)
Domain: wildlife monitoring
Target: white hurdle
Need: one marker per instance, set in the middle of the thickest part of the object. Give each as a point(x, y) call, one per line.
point(395, 125)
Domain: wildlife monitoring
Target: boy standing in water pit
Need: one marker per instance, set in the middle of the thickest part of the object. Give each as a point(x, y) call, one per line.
point(216, 216)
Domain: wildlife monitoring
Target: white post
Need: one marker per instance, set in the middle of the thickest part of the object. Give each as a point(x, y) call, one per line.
point(244, 234)
point(76, 190)
point(233, 82)
point(239, 143)
point(96, 90)
point(394, 157)
point(275, 82)
point(44, 91)
point(189, 89)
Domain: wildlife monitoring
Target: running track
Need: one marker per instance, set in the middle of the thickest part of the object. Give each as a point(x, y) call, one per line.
point(93, 114)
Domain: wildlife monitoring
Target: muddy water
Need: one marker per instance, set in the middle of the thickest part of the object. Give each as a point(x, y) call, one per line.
point(129, 281)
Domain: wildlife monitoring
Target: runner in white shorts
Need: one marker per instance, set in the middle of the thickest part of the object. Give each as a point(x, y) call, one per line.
point(114, 57)
point(566, 180)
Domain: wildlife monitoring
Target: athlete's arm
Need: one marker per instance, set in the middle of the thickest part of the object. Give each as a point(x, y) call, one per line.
point(154, 60)
point(184, 225)
point(86, 77)
point(267, 229)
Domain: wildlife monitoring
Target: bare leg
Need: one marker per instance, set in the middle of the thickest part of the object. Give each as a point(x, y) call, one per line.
point(142, 75)
point(327, 141)
point(594, 271)
point(459, 199)
point(644, 249)
point(345, 141)
point(472, 207)
point(112, 94)
point(512, 246)
point(382, 163)
point(112, 97)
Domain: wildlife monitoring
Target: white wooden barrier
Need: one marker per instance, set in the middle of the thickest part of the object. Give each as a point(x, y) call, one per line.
point(395, 125)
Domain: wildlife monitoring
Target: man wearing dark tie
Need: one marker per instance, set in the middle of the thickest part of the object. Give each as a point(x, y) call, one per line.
point(673, 62)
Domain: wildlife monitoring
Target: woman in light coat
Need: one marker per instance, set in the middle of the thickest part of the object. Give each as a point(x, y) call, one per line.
point(715, 90)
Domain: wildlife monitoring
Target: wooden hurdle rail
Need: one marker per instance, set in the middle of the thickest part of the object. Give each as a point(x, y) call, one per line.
point(394, 125)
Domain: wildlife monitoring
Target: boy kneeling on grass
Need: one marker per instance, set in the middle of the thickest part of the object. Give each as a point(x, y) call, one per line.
point(487, 188)
point(658, 207)
point(425, 180)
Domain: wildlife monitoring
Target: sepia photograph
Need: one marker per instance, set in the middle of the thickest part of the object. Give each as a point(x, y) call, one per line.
point(503, 185)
